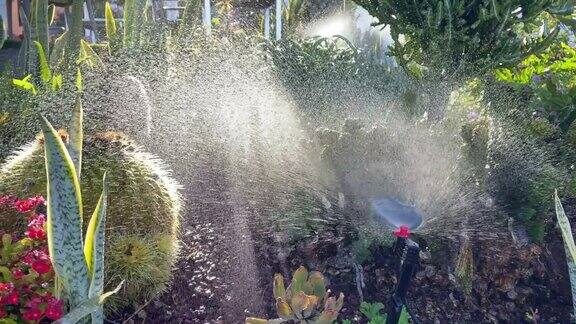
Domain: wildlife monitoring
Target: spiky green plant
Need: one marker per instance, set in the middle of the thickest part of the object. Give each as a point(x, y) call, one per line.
point(144, 214)
point(446, 42)
point(569, 246)
point(306, 300)
point(450, 36)
point(79, 266)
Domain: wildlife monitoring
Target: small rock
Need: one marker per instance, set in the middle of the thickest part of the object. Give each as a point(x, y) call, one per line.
point(430, 271)
point(420, 275)
point(512, 294)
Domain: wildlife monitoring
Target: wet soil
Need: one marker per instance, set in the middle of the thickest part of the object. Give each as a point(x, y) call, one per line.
point(510, 284)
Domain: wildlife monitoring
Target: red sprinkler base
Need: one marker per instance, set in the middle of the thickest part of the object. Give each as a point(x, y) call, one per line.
point(402, 232)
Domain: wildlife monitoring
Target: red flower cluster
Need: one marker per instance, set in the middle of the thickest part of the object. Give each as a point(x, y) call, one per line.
point(25, 290)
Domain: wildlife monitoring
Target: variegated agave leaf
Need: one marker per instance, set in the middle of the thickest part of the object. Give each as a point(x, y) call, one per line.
point(87, 307)
point(76, 136)
point(569, 245)
point(64, 223)
point(94, 250)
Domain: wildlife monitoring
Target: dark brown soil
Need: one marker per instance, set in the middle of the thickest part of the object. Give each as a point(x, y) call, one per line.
point(509, 285)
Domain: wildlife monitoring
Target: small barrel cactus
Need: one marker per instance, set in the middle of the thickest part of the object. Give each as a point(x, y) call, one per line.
point(144, 209)
point(306, 300)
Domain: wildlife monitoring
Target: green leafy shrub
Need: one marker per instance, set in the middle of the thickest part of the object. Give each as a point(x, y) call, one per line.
point(144, 213)
point(549, 81)
point(305, 300)
point(455, 39)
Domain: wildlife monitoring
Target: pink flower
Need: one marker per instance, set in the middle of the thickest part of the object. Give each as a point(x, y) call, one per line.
point(30, 204)
point(34, 302)
point(17, 273)
point(38, 260)
point(32, 314)
point(54, 309)
point(6, 287)
point(36, 227)
point(3, 312)
point(12, 299)
point(42, 266)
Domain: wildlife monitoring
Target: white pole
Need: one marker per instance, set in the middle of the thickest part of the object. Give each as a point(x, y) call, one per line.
point(267, 23)
point(207, 15)
point(279, 19)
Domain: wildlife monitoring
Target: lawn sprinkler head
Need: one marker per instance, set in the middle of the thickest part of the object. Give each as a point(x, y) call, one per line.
point(392, 212)
point(404, 218)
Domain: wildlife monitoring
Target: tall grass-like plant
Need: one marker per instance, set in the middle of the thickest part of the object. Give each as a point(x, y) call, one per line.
point(78, 263)
point(569, 245)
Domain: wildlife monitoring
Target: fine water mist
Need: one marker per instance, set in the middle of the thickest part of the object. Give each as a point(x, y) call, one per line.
point(243, 144)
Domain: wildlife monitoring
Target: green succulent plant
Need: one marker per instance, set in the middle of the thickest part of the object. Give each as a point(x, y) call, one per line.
point(305, 300)
point(144, 213)
point(79, 266)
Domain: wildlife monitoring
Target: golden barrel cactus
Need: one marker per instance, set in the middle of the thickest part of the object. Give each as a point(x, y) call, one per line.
point(143, 212)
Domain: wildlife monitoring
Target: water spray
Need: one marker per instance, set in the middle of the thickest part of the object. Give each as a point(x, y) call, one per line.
point(404, 218)
point(207, 17)
point(278, 14)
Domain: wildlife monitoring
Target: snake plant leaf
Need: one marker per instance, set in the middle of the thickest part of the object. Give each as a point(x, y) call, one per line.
point(41, 21)
point(26, 55)
point(569, 245)
point(94, 244)
point(57, 54)
point(88, 56)
point(79, 85)
point(64, 221)
point(51, 14)
point(87, 307)
point(76, 136)
point(94, 250)
point(129, 17)
point(45, 73)
point(110, 22)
